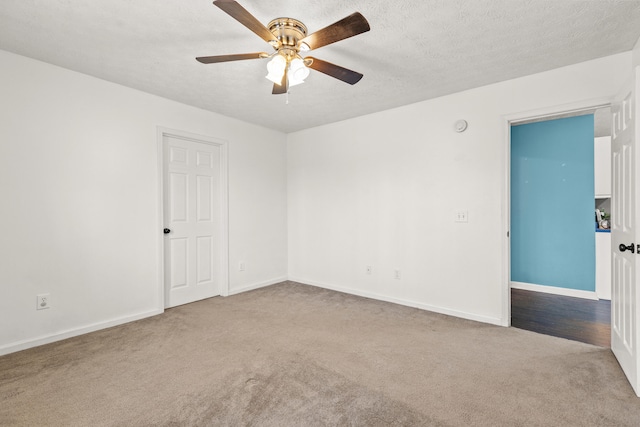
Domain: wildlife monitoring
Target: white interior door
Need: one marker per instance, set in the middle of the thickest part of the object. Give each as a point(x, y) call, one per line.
point(625, 212)
point(192, 197)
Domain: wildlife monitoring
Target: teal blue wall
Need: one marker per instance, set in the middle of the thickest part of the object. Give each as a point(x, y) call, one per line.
point(552, 203)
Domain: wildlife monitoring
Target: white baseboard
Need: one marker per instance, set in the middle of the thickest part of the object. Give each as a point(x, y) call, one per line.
point(46, 339)
point(257, 285)
point(555, 290)
point(408, 303)
point(26, 344)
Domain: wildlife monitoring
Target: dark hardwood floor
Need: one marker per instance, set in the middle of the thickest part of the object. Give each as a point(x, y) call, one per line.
point(576, 319)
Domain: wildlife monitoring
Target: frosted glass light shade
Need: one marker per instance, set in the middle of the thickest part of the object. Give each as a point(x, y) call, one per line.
point(275, 69)
point(297, 72)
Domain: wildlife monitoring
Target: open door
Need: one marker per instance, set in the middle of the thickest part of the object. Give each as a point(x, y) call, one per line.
point(625, 298)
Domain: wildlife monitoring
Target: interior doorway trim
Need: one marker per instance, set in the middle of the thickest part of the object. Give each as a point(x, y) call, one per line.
point(163, 132)
point(547, 113)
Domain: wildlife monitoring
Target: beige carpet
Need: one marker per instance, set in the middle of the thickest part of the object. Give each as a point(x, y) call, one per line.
point(295, 355)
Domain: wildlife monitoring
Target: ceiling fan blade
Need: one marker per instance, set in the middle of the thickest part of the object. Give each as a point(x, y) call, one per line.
point(282, 88)
point(240, 14)
point(278, 89)
point(227, 58)
point(350, 26)
point(340, 73)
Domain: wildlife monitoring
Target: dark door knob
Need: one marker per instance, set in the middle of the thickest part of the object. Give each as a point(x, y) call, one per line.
point(623, 248)
point(167, 231)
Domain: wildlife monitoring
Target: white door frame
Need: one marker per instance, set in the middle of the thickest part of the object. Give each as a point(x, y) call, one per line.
point(224, 205)
point(512, 119)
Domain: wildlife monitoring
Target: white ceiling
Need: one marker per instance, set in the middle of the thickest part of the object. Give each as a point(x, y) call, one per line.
point(416, 49)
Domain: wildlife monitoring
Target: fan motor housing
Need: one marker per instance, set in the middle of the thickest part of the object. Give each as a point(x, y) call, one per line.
point(288, 31)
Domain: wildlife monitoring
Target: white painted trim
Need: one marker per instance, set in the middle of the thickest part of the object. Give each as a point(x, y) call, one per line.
point(258, 285)
point(506, 226)
point(400, 301)
point(162, 303)
point(508, 120)
point(224, 218)
point(553, 111)
point(576, 293)
point(224, 205)
point(70, 333)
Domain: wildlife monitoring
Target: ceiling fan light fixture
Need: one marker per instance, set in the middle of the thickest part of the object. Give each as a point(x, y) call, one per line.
point(297, 72)
point(289, 37)
point(275, 69)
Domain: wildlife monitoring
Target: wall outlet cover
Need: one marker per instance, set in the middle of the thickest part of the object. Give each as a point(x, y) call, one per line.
point(43, 302)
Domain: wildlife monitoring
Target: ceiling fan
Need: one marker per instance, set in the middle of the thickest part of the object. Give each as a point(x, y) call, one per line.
point(288, 37)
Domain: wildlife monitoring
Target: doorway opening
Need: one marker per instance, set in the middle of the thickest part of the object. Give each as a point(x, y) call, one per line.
point(576, 312)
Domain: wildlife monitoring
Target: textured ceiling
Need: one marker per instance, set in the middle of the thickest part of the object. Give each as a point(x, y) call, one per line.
point(416, 49)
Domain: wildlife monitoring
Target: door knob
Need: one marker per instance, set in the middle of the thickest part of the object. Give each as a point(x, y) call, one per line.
point(623, 248)
point(167, 231)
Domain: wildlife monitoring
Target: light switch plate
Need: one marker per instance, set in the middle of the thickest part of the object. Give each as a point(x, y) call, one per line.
point(462, 216)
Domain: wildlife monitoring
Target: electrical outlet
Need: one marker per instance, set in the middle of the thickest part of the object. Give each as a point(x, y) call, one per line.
point(369, 269)
point(397, 273)
point(241, 266)
point(462, 216)
point(43, 302)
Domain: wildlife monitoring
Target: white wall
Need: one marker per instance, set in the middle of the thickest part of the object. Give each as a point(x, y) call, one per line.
point(382, 190)
point(79, 197)
point(79, 200)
